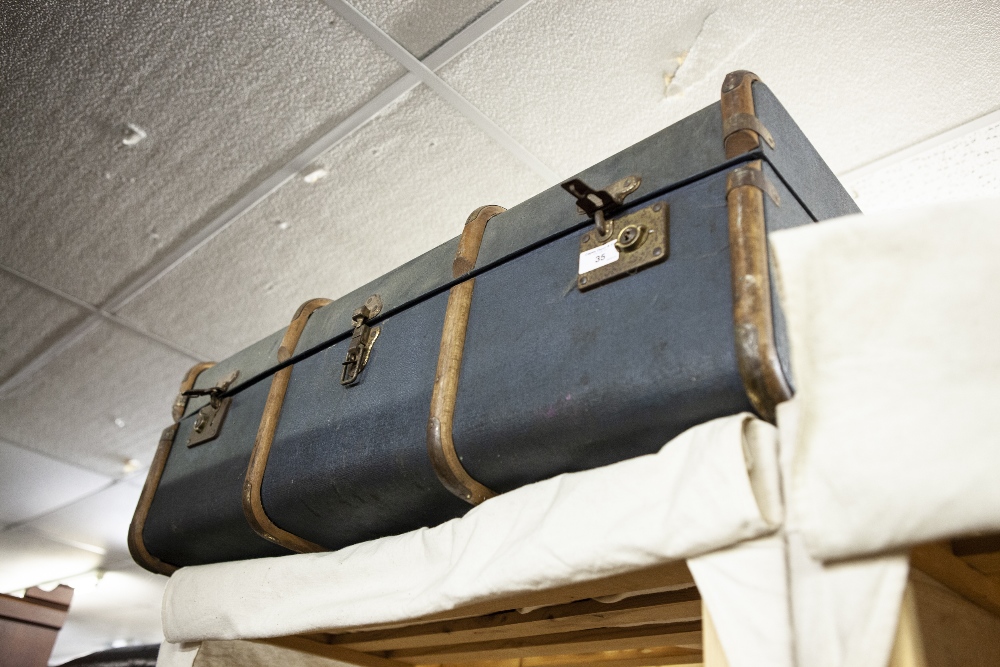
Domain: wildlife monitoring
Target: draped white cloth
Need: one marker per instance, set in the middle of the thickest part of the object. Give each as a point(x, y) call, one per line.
point(894, 322)
point(693, 497)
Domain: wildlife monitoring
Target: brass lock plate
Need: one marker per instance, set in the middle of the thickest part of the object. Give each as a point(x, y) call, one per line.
point(208, 423)
point(630, 243)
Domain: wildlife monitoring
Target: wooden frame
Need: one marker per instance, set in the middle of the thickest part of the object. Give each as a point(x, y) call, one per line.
point(652, 618)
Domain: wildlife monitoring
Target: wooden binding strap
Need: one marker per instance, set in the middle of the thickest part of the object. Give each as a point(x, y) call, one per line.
point(136, 545)
point(756, 349)
point(440, 445)
point(742, 131)
point(253, 507)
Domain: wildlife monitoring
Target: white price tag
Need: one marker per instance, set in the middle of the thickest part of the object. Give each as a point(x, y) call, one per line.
point(597, 257)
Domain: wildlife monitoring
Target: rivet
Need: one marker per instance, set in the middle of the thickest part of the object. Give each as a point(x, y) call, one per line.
point(583, 281)
point(586, 237)
point(657, 252)
point(657, 207)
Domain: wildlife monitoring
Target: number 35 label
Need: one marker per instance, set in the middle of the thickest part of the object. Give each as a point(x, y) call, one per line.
point(597, 257)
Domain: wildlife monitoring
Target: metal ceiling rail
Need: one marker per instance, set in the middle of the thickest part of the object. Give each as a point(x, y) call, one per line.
point(441, 56)
point(441, 87)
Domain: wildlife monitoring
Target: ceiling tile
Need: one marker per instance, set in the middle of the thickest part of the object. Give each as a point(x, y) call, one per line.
point(576, 82)
point(100, 520)
point(398, 187)
point(28, 559)
point(70, 409)
point(120, 608)
point(32, 484)
point(421, 25)
point(30, 319)
point(225, 92)
point(967, 167)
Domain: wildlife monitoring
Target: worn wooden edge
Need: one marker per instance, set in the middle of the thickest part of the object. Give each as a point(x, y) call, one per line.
point(753, 319)
point(579, 641)
point(737, 98)
point(658, 607)
point(440, 445)
point(646, 657)
point(631, 657)
point(136, 544)
point(180, 403)
point(939, 563)
point(338, 653)
point(253, 505)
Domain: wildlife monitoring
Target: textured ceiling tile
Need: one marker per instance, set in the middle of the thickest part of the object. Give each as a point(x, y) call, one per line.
point(70, 410)
point(968, 167)
point(421, 25)
point(578, 81)
point(224, 90)
point(862, 80)
point(32, 484)
point(401, 185)
point(100, 520)
point(28, 559)
point(122, 607)
point(30, 319)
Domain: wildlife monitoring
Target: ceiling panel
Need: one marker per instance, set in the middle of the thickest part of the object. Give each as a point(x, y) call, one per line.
point(401, 185)
point(578, 81)
point(422, 25)
point(30, 319)
point(225, 91)
point(28, 559)
point(967, 167)
point(100, 520)
point(122, 608)
point(32, 484)
point(70, 410)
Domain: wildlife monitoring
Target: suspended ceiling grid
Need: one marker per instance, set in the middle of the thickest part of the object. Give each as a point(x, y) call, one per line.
point(121, 265)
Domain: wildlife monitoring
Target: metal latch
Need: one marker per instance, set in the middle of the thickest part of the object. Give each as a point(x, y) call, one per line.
point(599, 203)
point(362, 340)
point(619, 246)
point(209, 420)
